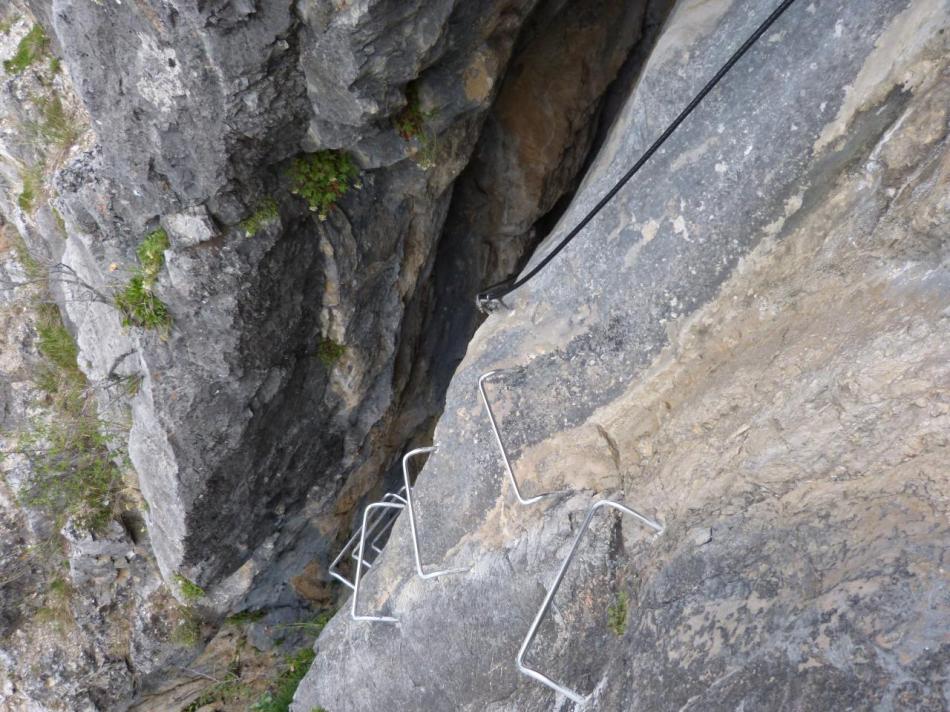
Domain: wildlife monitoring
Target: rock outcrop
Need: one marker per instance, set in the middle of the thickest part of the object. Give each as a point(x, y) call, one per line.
point(750, 344)
point(290, 371)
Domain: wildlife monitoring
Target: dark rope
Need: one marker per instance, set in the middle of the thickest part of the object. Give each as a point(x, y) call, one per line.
point(496, 292)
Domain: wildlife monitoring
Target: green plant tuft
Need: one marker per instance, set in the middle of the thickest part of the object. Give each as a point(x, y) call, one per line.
point(56, 343)
point(31, 48)
point(617, 614)
point(141, 307)
point(137, 302)
point(73, 471)
point(410, 121)
point(58, 128)
point(190, 591)
point(323, 178)
point(244, 617)
point(266, 211)
point(281, 694)
point(151, 254)
point(188, 631)
point(329, 352)
point(32, 178)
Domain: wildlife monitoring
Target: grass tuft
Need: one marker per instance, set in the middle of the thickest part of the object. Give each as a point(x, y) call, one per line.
point(137, 302)
point(73, 472)
point(33, 46)
point(32, 179)
point(58, 128)
point(190, 591)
point(281, 694)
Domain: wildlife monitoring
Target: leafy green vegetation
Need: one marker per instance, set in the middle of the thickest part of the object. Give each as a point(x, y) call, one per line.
point(323, 178)
point(410, 123)
point(281, 692)
point(190, 591)
point(74, 474)
point(617, 614)
point(33, 46)
point(137, 302)
point(266, 212)
point(329, 352)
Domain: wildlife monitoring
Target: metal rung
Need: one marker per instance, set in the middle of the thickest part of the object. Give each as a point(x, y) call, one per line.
point(359, 566)
point(540, 677)
point(350, 547)
point(501, 445)
point(407, 487)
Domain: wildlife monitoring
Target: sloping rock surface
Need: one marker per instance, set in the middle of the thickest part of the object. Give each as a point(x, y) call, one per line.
point(749, 343)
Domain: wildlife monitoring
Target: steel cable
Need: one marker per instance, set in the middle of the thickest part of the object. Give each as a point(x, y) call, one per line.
point(494, 294)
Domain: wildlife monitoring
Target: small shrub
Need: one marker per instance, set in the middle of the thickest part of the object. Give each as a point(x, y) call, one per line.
point(190, 591)
point(329, 352)
point(323, 178)
point(266, 212)
point(410, 124)
point(617, 614)
point(31, 48)
point(410, 121)
point(137, 302)
point(281, 694)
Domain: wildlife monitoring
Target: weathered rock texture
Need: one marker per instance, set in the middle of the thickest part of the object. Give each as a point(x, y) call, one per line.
point(749, 343)
point(249, 447)
point(251, 450)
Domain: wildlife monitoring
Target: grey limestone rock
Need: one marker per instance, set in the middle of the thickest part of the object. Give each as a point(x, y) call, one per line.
point(750, 339)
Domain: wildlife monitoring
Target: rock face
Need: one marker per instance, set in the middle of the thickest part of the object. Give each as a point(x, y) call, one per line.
point(250, 447)
point(293, 370)
point(749, 343)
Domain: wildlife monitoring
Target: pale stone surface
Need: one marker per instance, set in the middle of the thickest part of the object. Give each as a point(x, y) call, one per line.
point(752, 339)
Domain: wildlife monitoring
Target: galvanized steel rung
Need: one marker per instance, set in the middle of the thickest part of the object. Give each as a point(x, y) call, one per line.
point(359, 565)
point(379, 527)
point(501, 445)
point(412, 516)
point(549, 598)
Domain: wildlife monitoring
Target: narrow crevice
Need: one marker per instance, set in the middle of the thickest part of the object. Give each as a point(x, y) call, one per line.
point(523, 174)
